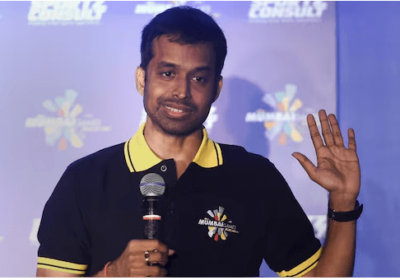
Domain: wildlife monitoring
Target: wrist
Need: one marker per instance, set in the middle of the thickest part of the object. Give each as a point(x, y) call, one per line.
point(342, 202)
point(346, 216)
point(107, 269)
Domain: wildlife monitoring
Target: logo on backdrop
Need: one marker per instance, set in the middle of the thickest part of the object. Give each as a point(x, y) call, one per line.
point(66, 12)
point(285, 121)
point(286, 11)
point(65, 126)
point(217, 227)
point(34, 231)
point(208, 124)
point(319, 225)
point(154, 8)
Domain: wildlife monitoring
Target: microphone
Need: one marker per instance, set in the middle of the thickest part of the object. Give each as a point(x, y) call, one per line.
point(152, 187)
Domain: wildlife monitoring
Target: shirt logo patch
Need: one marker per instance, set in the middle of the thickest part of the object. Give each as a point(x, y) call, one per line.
point(217, 225)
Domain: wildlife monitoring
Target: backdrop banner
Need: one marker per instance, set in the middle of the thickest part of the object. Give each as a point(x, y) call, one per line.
point(67, 89)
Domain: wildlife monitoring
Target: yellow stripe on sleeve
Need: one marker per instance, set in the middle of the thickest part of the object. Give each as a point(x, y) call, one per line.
point(78, 272)
point(61, 264)
point(307, 270)
point(304, 267)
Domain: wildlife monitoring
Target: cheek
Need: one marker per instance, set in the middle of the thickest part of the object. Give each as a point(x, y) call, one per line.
point(203, 103)
point(153, 91)
point(157, 88)
point(203, 95)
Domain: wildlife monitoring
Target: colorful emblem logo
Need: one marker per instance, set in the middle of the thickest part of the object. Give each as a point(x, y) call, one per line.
point(286, 121)
point(217, 225)
point(65, 127)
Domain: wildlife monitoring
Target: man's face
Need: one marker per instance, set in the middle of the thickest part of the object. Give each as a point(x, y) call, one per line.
point(180, 86)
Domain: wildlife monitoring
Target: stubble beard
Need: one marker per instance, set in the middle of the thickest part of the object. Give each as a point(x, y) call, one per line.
point(171, 126)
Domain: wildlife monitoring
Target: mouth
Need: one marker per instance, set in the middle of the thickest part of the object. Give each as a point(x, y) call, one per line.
point(174, 109)
point(177, 112)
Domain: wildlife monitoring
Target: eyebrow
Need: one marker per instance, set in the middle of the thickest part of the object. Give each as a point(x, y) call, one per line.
point(165, 64)
point(203, 68)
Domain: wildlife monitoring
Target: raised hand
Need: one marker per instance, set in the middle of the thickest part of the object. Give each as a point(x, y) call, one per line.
point(338, 168)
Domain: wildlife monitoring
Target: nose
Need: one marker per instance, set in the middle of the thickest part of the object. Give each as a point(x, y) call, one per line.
point(182, 89)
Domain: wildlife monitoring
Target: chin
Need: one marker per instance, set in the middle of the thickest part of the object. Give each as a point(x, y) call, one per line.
point(179, 129)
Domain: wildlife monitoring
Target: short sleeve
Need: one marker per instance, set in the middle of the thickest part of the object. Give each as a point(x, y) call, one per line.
point(291, 248)
point(62, 235)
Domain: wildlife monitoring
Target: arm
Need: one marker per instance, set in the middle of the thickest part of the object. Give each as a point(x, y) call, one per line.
point(41, 272)
point(337, 258)
point(62, 237)
point(338, 171)
point(131, 263)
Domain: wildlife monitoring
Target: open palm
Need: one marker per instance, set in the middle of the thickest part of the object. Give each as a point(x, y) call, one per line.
point(338, 168)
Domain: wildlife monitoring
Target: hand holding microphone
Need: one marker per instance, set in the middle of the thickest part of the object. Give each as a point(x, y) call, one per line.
point(145, 257)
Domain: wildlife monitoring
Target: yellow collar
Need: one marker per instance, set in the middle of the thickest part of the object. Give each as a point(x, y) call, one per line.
point(140, 157)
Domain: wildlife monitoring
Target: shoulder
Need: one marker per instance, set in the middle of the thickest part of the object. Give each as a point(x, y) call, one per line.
point(237, 156)
point(95, 166)
point(101, 159)
point(86, 175)
point(253, 170)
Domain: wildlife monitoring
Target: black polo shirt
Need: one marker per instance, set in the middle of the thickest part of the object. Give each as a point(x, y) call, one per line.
point(228, 211)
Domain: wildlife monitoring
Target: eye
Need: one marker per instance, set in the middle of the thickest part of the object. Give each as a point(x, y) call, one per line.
point(199, 79)
point(166, 74)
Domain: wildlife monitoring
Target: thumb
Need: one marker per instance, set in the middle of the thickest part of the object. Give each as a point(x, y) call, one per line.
point(308, 166)
point(171, 252)
point(300, 157)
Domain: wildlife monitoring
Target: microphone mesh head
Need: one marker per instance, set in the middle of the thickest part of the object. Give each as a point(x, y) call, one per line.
point(152, 184)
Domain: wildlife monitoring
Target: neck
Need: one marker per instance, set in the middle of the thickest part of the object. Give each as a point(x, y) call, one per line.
point(182, 149)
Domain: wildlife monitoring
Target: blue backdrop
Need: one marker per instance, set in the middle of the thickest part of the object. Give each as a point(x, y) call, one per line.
point(368, 101)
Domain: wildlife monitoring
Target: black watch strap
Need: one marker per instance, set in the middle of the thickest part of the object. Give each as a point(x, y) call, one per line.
point(346, 216)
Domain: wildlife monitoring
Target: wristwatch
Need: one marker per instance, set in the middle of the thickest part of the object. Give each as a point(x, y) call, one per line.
point(346, 216)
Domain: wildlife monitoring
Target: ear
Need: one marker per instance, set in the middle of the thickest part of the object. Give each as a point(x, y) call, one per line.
point(219, 88)
point(140, 76)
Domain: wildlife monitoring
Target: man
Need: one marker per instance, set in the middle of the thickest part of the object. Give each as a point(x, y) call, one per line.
point(227, 209)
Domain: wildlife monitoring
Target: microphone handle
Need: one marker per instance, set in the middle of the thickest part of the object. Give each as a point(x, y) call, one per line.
point(151, 218)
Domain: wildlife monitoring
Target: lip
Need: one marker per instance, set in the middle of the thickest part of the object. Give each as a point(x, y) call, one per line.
point(183, 108)
point(185, 111)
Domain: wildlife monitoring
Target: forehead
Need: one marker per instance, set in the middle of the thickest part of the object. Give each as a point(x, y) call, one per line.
point(185, 55)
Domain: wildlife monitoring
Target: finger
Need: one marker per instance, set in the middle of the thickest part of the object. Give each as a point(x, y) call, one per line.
point(315, 136)
point(158, 245)
point(142, 245)
point(308, 166)
point(337, 135)
point(171, 252)
point(326, 129)
point(352, 140)
point(158, 257)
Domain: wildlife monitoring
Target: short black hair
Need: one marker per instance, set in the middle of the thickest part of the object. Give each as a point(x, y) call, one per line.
point(184, 25)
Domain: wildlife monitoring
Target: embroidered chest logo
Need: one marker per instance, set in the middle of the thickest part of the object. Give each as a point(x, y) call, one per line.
point(218, 226)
